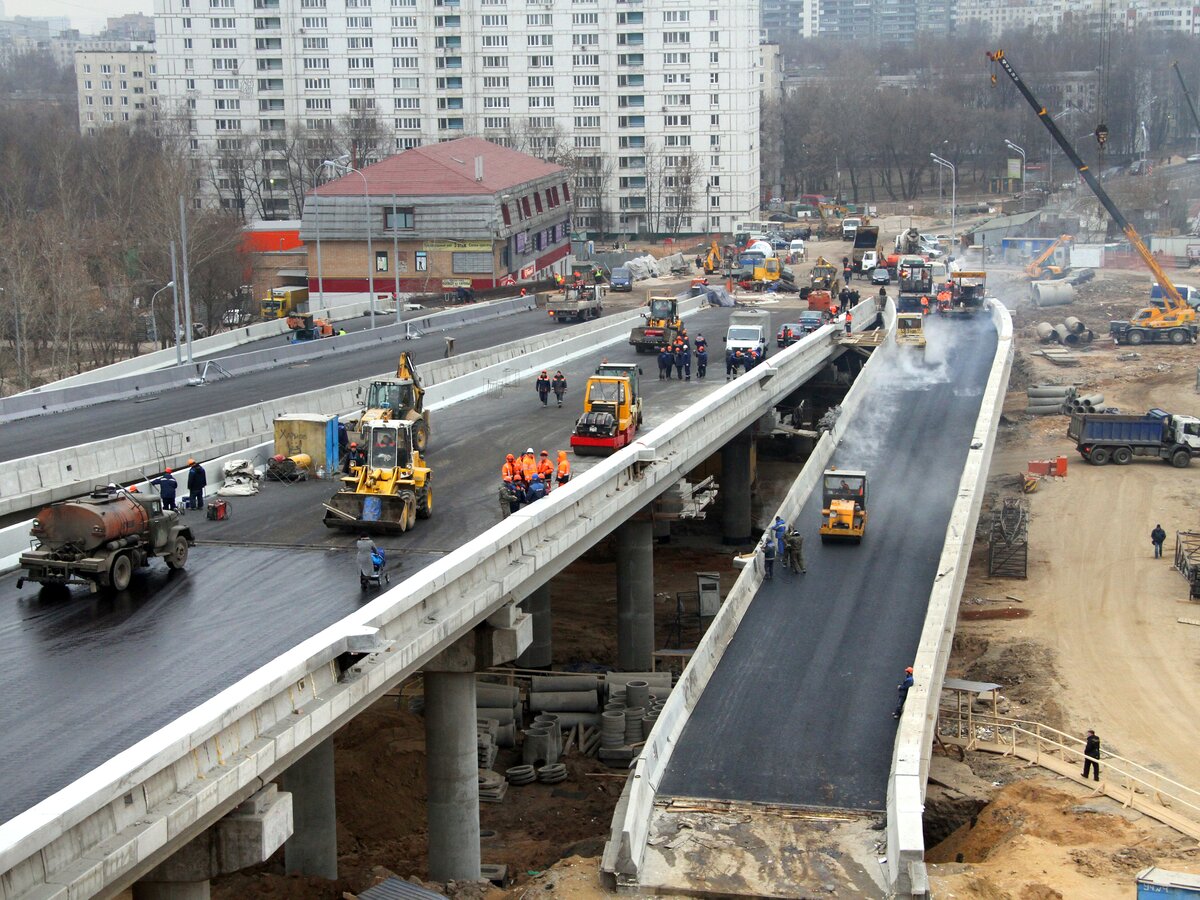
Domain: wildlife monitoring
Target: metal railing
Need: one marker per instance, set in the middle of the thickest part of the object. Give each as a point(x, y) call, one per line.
point(1126, 781)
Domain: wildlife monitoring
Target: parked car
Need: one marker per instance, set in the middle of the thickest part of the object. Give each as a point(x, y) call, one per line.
point(880, 275)
point(812, 319)
point(1195, 157)
point(778, 242)
point(234, 318)
point(622, 279)
point(797, 332)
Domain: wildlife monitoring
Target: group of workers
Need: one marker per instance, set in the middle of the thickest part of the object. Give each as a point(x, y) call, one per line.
point(678, 356)
point(741, 359)
point(545, 384)
point(783, 543)
point(526, 478)
point(597, 274)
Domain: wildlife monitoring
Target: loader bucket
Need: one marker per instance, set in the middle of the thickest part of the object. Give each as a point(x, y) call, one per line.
point(384, 513)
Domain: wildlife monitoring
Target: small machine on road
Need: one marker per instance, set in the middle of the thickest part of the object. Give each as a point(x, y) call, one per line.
point(611, 413)
point(843, 505)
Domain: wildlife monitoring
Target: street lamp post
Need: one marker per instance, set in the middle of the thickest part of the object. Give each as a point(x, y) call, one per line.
point(343, 163)
point(946, 164)
point(1012, 146)
point(153, 319)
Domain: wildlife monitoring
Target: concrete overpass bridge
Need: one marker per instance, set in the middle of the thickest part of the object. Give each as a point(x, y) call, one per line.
point(201, 780)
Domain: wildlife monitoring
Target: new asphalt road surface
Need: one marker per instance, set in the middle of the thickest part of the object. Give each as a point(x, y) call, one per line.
point(799, 710)
point(89, 676)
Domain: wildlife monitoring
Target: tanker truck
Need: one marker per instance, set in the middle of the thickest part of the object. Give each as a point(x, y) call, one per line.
point(100, 539)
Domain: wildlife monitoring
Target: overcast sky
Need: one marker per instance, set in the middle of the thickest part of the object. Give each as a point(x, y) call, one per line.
point(86, 15)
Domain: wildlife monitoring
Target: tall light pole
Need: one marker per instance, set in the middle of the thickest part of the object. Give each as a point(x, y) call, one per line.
point(343, 163)
point(153, 320)
point(1011, 146)
point(946, 164)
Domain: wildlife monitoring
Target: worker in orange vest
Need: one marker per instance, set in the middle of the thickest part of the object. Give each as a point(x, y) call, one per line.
point(943, 301)
point(529, 466)
point(510, 471)
point(849, 322)
point(546, 469)
point(564, 468)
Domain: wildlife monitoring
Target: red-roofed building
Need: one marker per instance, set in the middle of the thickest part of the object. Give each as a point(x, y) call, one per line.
point(463, 213)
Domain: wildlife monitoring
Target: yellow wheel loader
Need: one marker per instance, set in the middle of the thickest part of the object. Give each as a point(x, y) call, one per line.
point(389, 487)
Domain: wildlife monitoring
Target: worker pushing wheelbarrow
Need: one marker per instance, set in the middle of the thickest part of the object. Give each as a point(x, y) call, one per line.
point(371, 564)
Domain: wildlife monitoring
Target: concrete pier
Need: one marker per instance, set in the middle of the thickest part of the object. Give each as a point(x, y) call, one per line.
point(539, 654)
point(312, 848)
point(452, 775)
point(635, 595)
point(735, 491)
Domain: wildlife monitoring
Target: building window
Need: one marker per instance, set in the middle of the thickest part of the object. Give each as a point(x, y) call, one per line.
point(381, 260)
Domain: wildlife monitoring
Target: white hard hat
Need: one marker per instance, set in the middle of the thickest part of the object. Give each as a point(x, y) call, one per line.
point(529, 450)
point(112, 485)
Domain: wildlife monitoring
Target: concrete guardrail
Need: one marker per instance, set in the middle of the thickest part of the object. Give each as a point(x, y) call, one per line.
point(915, 736)
point(113, 825)
point(625, 849)
point(23, 406)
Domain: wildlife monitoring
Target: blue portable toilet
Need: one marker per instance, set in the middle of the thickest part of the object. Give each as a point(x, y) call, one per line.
point(1161, 884)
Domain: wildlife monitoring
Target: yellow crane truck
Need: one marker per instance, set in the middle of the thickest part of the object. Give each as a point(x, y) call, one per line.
point(389, 489)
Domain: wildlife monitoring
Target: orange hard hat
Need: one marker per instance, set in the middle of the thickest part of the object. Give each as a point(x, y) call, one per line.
point(133, 489)
point(510, 457)
point(354, 443)
point(191, 462)
point(545, 453)
point(909, 670)
point(168, 471)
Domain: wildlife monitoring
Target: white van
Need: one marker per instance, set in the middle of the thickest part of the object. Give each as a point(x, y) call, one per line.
point(796, 249)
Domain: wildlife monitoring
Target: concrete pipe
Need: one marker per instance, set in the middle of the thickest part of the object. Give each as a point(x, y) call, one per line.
point(537, 749)
point(564, 701)
point(1045, 332)
point(648, 725)
point(549, 721)
point(614, 706)
point(612, 729)
point(1043, 410)
point(1061, 333)
point(1075, 325)
point(569, 720)
point(502, 714)
point(1052, 293)
point(637, 693)
point(1072, 339)
point(496, 695)
point(553, 683)
point(1050, 391)
point(633, 725)
point(1092, 400)
point(506, 736)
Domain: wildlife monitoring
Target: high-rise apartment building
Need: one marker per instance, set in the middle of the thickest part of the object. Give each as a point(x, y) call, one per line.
point(653, 108)
point(115, 87)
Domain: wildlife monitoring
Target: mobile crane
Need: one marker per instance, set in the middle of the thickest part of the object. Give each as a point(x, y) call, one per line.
point(1170, 318)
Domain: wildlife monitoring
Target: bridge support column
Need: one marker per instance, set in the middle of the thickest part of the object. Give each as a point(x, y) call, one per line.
point(247, 836)
point(452, 765)
point(635, 595)
point(539, 654)
point(735, 491)
point(312, 848)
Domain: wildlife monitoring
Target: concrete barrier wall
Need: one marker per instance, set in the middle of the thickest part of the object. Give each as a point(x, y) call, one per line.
point(915, 736)
point(626, 846)
point(127, 815)
point(226, 340)
point(58, 399)
point(33, 482)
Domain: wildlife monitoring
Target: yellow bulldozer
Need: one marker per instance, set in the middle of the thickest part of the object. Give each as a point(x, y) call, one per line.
point(389, 486)
point(402, 398)
point(843, 505)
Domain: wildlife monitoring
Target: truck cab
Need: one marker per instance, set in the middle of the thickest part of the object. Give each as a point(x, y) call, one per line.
point(748, 330)
point(850, 228)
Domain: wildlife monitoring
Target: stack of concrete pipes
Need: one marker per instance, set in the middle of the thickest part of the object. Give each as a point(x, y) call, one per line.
point(500, 703)
point(1060, 400)
point(633, 706)
point(1070, 332)
point(575, 699)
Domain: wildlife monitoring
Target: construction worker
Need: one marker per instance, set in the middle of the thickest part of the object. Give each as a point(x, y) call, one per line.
point(529, 467)
point(665, 360)
point(167, 487)
point(510, 471)
point(559, 281)
point(537, 489)
point(564, 468)
point(768, 551)
point(546, 469)
point(731, 364)
point(683, 360)
point(847, 271)
point(943, 301)
point(794, 544)
point(559, 385)
point(779, 531)
point(788, 337)
point(902, 691)
point(510, 499)
point(701, 357)
point(881, 302)
point(924, 305)
point(542, 386)
point(197, 481)
point(849, 322)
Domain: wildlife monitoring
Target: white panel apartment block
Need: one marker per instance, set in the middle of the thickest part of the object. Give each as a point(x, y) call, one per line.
point(628, 84)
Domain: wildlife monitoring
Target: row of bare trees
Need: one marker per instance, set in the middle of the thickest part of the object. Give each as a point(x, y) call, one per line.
point(864, 121)
point(85, 228)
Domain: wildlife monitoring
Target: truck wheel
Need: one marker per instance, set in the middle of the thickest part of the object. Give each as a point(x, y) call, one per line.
point(121, 572)
point(425, 501)
point(1179, 336)
point(1181, 459)
point(1099, 457)
point(1122, 456)
point(411, 511)
point(1136, 337)
point(420, 435)
point(177, 559)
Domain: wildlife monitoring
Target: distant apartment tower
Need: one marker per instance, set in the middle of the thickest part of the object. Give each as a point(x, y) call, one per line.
point(884, 21)
point(115, 88)
point(654, 108)
point(131, 27)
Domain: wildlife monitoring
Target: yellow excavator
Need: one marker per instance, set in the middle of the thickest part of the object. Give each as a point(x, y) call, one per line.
point(389, 486)
point(1042, 267)
point(402, 398)
point(1169, 319)
point(712, 260)
point(843, 505)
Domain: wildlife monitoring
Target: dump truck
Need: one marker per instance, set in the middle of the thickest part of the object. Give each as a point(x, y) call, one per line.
point(662, 326)
point(390, 490)
point(910, 330)
point(843, 505)
point(99, 540)
point(576, 303)
point(399, 398)
point(610, 418)
point(866, 240)
point(1102, 438)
